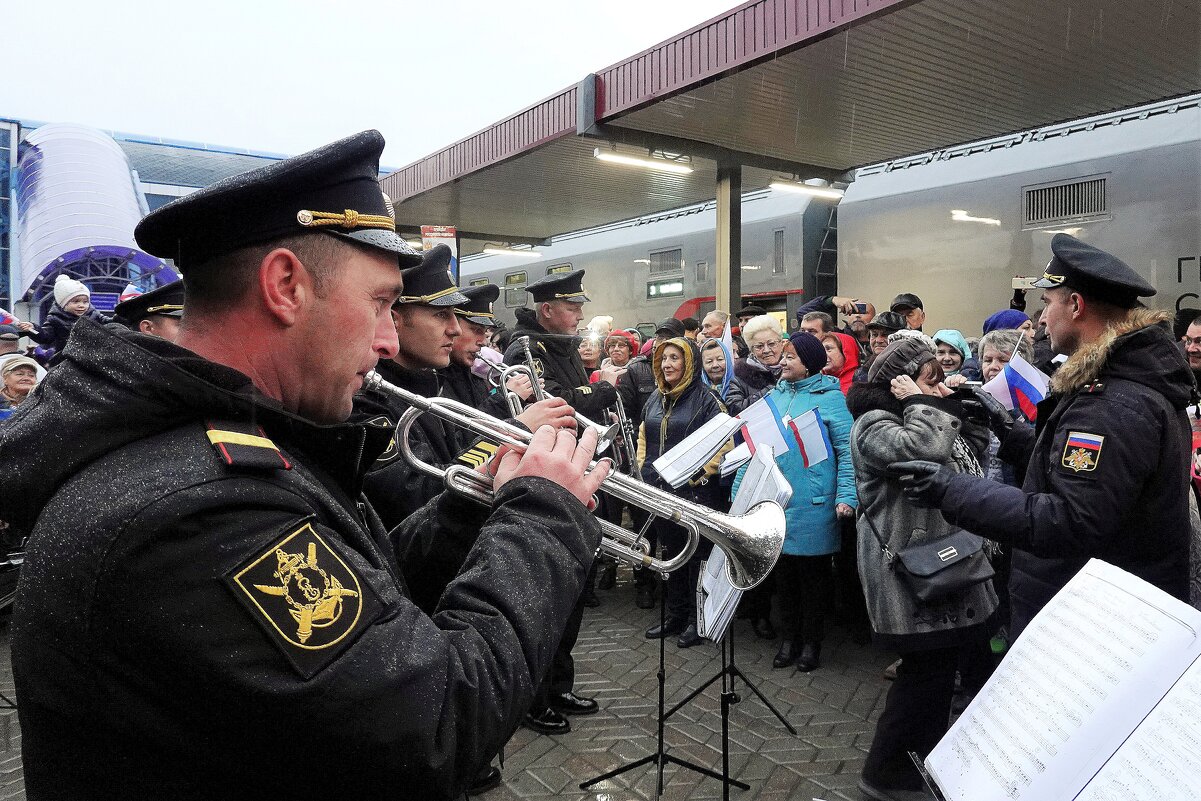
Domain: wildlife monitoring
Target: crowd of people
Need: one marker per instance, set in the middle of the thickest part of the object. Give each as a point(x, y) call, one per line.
point(235, 439)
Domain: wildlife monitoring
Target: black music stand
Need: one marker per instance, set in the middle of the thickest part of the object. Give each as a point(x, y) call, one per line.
point(660, 757)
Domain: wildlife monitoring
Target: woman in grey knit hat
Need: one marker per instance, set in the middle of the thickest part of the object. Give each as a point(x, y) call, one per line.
point(905, 412)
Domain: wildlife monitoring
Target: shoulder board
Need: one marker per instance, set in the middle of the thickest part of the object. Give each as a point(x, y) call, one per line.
point(585, 390)
point(541, 346)
point(477, 454)
point(1094, 387)
point(241, 444)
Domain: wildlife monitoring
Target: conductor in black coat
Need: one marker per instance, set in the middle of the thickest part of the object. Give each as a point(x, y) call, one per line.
point(208, 607)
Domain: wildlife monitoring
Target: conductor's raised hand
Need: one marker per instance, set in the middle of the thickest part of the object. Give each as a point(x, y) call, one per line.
point(553, 412)
point(557, 456)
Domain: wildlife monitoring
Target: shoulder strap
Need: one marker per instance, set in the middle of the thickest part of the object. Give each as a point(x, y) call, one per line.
point(883, 545)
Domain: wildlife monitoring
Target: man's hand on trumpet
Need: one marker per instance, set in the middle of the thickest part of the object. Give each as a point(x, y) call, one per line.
point(553, 412)
point(520, 386)
point(555, 455)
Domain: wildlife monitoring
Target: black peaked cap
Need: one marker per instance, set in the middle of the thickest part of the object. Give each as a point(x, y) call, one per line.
point(1093, 272)
point(429, 283)
point(333, 189)
point(559, 286)
point(478, 308)
point(751, 310)
point(166, 300)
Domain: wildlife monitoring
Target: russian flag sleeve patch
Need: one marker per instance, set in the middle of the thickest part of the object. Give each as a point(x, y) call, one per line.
point(1082, 452)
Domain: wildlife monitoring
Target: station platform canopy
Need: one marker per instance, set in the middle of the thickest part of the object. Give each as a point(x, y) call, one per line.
point(798, 89)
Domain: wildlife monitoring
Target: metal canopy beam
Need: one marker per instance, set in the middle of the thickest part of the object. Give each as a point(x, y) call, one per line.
point(808, 88)
point(729, 237)
point(510, 239)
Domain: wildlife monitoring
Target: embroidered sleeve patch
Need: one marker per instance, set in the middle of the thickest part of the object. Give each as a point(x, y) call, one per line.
point(307, 599)
point(1082, 452)
point(391, 452)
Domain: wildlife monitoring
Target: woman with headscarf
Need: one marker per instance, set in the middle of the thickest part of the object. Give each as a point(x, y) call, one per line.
point(842, 358)
point(954, 355)
point(680, 404)
point(718, 365)
point(822, 494)
point(905, 412)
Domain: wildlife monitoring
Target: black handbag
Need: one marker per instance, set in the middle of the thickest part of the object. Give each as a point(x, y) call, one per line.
point(940, 568)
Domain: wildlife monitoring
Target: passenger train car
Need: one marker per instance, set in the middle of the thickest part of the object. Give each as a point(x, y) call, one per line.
point(954, 227)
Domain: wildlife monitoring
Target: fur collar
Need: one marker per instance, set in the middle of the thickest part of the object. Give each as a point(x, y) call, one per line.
point(1085, 365)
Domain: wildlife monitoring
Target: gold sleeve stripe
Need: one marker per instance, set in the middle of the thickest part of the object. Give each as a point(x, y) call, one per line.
point(234, 438)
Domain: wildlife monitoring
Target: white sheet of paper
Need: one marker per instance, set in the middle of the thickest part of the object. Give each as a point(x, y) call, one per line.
point(1078, 680)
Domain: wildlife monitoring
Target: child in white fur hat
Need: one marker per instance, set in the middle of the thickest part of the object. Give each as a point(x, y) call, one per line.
point(72, 300)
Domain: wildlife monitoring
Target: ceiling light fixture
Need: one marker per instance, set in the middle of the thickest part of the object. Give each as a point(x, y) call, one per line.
point(814, 187)
point(498, 250)
point(646, 162)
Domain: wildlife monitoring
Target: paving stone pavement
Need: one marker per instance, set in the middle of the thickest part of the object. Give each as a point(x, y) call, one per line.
point(833, 710)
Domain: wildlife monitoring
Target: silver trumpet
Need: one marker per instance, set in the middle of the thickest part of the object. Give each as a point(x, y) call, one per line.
point(751, 542)
point(500, 373)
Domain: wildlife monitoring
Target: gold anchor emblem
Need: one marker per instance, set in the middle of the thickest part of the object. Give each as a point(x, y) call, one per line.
point(314, 596)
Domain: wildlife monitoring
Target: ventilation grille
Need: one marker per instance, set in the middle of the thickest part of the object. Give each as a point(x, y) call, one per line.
point(1084, 199)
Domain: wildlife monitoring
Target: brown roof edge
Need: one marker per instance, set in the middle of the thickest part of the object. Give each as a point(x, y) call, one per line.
point(541, 122)
point(736, 40)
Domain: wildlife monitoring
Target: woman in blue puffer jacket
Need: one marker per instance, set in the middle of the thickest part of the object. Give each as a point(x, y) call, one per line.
point(821, 494)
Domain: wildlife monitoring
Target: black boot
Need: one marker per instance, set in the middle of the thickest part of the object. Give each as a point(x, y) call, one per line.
point(673, 626)
point(810, 658)
point(606, 576)
point(690, 637)
point(785, 656)
point(485, 780)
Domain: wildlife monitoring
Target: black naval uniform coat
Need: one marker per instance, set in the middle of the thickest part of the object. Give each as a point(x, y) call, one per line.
point(394, 488)
point(460, 383)
point(1107, 475)
point(559, 359)
point(208, 609)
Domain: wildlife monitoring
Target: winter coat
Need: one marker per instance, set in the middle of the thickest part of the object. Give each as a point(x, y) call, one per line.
point(206, 597)
point(813, 528)
point(557, 362)
point(671, 414)
point(755, 375)
point(56, 328)
point(395, 488)
point(886, 431)
point(1117, 490)
point(636, 385)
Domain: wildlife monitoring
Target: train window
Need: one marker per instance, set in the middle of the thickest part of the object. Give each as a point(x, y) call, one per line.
point(667, 261)
point(558, 268)
point(702, 271)
point(777, 264)
point(514, 297)
point(664, 289)
point(512, 279)
point(479, 281)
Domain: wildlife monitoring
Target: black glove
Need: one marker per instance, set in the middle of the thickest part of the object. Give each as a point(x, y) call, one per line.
point(923, 483)
point(1000, 419)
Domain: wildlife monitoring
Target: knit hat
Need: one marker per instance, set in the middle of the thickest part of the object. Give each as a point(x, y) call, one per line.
point(904, 356)
point(810, 350)
point(66, 288)
point(1005, 319)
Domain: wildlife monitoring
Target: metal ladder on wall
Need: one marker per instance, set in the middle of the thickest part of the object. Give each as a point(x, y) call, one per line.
point(826, 276)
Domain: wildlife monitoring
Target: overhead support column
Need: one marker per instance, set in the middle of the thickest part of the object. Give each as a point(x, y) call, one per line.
point(729, 238)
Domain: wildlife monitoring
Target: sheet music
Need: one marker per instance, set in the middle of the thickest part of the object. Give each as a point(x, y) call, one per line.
point(1078, 680)
point(1162, 759)
point(687, 458)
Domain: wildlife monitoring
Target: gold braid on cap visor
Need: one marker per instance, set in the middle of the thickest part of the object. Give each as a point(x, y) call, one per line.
point(166, 307)
point(427, 298)
point(1054, 279)
point(569, 295)
point(470, 313)
point(346, 219)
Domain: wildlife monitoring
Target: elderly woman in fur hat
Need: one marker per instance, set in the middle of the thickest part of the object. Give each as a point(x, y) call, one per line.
point(904, 411)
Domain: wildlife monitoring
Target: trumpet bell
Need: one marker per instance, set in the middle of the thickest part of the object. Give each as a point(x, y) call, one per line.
point(752, 542)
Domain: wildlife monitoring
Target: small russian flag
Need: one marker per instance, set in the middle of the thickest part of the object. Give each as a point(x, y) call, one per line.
point(810, 432)
point(129, 293)
point(1079, 439)
point(1020, 386)
point(763, 425)
point(7, 317)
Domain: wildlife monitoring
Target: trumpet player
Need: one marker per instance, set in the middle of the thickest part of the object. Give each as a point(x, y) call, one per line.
point(230, 619)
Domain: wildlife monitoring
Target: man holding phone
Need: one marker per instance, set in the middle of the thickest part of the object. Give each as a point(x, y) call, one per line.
point(856, 314)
